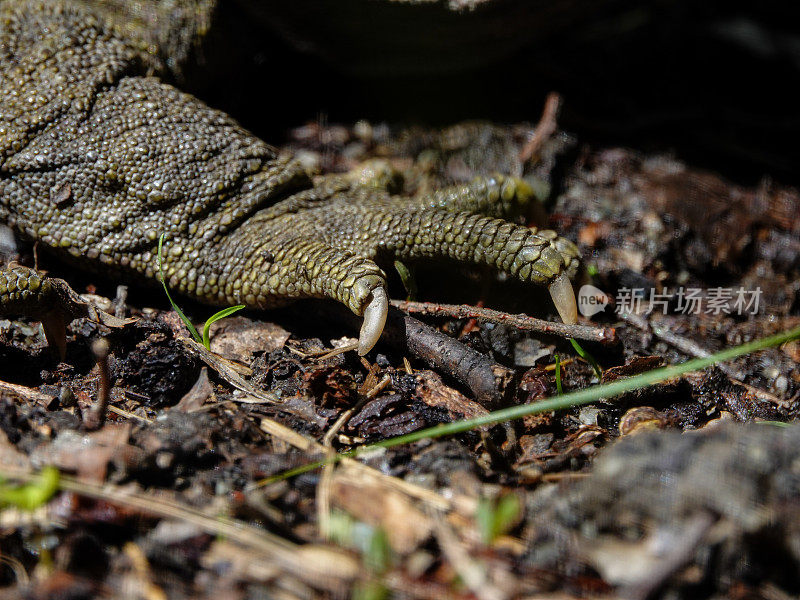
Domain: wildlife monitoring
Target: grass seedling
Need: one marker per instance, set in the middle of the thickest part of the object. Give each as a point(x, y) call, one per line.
point(407, 278)
point(225, 312)
point(588, 358)
point(30, 496)
point(496, 517)
point(372, 543)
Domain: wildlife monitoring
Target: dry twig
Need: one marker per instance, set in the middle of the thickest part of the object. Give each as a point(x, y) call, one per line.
point(544, 129)
point(483, 377)
point(97, 415)
point(603, 335)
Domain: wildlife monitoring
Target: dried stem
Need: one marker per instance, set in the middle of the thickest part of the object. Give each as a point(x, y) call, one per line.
point(97, 415)
point(603, 335)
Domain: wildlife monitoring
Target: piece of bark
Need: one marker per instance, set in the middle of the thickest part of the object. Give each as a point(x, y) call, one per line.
point(433, 392)
point(483, 377)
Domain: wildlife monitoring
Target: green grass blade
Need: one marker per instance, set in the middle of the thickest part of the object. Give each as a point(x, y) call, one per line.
point(225, 312)
point(175, 307)
point(407, 278)
point(588, 358)
point(558, 375)
point(568, 400)
point(496, 517)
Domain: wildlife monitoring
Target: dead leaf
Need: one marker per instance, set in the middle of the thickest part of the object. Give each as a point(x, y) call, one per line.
point(237, 562)
point(10, 456)
point(635, 366)
point(238, 338)
point(202, 391)
point(641, 418)
point(381, 506)
point(224, 369)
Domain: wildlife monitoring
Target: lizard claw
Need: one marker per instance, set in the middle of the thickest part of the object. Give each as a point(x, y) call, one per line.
point(564, 298)
point(375, 313)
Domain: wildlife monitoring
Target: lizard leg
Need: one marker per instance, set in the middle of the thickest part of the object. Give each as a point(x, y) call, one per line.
point(99, 159)
point(321, 243)
point(510, 249)
point(264, 263)
point(510, 198)
point(23, 292)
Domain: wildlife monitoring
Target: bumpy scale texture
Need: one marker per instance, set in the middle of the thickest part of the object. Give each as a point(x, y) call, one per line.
point(98, 158)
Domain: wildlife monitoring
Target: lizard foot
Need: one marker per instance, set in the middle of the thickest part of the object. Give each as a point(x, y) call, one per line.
point(375, 228)
point(51, 301)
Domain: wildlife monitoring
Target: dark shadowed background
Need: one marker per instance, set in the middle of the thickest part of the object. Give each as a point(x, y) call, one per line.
point(714, 81)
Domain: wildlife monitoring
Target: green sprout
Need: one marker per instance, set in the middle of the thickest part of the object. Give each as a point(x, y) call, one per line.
point(496, 517)
point(372, 543)
point(588, 358)
point(407, 278)
point(370, 590)
point(225, 312)
point(30, 496)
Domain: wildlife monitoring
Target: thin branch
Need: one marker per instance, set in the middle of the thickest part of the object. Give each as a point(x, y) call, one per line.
point(603, 335)
point(486, 380)
point(544, 129)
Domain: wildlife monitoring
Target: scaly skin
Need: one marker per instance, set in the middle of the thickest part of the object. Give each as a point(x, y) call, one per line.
point(98, 159)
